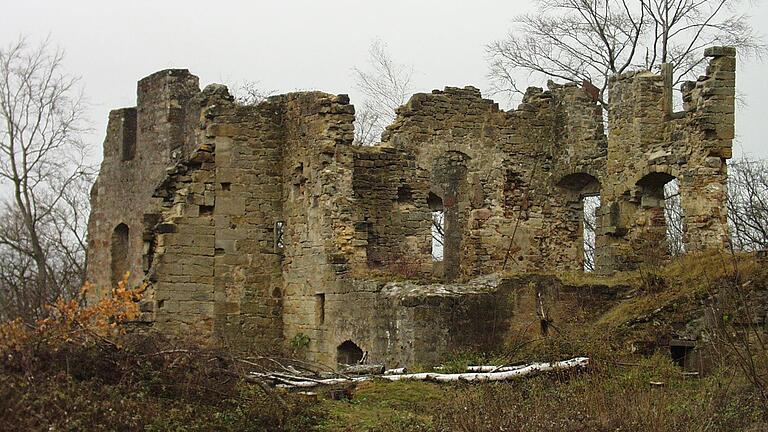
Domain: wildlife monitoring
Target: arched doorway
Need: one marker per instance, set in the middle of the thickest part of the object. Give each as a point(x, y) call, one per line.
point(660, 200)
point(583, 192)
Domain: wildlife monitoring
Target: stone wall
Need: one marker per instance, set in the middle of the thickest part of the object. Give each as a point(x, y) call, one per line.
point(498, 175)
point(262, 225)
point(141, 143)
point(402, 324)
point(650, 145)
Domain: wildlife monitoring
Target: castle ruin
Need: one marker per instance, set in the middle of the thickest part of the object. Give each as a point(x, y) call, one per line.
point(263, 224)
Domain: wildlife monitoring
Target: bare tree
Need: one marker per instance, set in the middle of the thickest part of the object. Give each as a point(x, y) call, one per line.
point(590, 40)
point(748, 204)
point(42, 164)
point(386, 85)
point(250, 93)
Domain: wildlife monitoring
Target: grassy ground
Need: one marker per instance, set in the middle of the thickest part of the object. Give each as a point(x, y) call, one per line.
point(651, 395)
point(55, 379)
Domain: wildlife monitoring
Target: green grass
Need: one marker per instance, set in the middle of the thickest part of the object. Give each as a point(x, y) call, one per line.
point(382, 406)
point(607, 397)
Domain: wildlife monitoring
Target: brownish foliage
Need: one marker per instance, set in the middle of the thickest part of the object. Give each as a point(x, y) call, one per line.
point(69, 325)
point(79, 369)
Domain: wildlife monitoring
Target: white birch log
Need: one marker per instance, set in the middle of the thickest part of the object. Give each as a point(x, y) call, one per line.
point(398, 371)
point(363, 370)
point(492, 368)
point(330, 381)
point(289, 381)
point(530, 369)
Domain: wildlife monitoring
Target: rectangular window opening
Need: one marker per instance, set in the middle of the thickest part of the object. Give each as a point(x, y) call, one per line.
point(673, 217)
point(590, 204)
point(438, 235)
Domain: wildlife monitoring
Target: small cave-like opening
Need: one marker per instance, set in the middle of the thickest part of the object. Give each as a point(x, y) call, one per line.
point(348, 353)
point(681, 354)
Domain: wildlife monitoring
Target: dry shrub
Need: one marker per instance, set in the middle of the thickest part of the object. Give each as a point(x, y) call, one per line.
point(80, 370)
point(69, 327)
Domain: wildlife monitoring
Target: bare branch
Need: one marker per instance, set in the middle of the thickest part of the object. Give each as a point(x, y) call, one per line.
point(42, 159)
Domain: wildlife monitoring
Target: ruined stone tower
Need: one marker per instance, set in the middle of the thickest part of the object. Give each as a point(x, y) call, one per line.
point(261, 224)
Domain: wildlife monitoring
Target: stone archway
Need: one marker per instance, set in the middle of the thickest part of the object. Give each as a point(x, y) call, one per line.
point(583, 206)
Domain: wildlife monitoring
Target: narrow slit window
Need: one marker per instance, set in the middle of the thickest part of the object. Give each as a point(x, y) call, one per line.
point(128, 135)
point(279, 235)
point(119, 252)
point(438, 234)
point(320, 308)
point(437, 229)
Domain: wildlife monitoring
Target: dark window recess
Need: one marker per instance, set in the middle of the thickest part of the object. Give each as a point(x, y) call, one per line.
point(206, 210)
point(119, 253)
point(128, 135)
point(404, 194)
point(680, 354)
point(348, 353)
point(225, 186)
point(279, 235)
point(320, 308)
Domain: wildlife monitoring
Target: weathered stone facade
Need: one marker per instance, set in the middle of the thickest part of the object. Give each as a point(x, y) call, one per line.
point(255, 224)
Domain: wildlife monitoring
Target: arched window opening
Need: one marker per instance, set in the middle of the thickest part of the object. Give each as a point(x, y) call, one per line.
point(583, 191)
point(348, 353)
point(438, 226)
point(119, 253)
point(661, 197)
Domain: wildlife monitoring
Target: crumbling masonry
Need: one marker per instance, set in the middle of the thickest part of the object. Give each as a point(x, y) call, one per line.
point(264, 226)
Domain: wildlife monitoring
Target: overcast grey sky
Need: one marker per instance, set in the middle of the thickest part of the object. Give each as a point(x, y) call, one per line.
point(297, 45)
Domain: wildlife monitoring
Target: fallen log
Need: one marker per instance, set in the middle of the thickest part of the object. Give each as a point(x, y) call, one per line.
point(287, 381)
point(363, 370)
point(530, 369)
point(398, 371)
point(492, 368)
